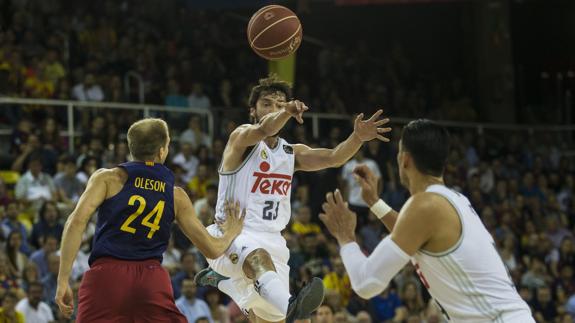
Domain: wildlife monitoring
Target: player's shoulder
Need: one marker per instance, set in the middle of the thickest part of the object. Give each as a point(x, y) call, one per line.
point(107, 175)
point(425, 204)
point(236, 134)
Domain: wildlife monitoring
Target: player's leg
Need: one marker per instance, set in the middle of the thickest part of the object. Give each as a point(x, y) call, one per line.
point(103, 293)
point(259, 267)
point(153, 298)
point(300, 307)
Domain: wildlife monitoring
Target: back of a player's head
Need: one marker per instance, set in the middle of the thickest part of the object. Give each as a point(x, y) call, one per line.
point(269, 85)
point(146, 137)
point(428, 144)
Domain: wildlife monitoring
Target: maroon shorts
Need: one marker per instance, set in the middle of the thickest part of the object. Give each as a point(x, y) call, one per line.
point(116, 290)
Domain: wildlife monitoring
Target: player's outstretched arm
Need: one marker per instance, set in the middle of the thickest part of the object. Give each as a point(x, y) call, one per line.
point(250, 134)
point(313, 159)
point(74, 228)
point(371, 275)
point(191, 226)
point(370, 194)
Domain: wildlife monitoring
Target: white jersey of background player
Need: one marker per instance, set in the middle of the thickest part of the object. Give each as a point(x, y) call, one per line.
point(437, 230)
point(257, 169)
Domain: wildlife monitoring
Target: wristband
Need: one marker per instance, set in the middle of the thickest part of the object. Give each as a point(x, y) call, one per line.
point(380, 209)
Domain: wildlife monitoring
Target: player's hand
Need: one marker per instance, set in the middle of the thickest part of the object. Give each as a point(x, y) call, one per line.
point(65, 299)
point(296, 109)
point(234, 222)
point(370, 129)
point(368, 183)
point(338, 218)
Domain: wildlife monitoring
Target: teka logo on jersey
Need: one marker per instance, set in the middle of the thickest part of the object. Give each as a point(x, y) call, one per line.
point(271, 183)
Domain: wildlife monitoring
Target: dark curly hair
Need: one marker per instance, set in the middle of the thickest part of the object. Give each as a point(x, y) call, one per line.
point(270, 84)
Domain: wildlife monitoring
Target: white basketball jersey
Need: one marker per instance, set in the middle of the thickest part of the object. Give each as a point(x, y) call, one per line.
point(470, 282)
point(262, 185)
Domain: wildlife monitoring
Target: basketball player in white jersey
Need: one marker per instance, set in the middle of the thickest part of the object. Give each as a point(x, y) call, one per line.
point(437, 230)
point(257, 170)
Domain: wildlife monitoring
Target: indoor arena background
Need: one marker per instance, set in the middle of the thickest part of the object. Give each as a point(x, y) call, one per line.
point(74, 74)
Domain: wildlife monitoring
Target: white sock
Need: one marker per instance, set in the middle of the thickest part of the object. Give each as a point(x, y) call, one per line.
point(272, 289)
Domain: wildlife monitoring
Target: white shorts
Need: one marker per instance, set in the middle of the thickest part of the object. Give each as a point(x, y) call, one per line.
point(230, 265)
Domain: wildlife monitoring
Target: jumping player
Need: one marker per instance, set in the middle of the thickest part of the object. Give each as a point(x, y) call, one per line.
point(437, 230)
point(137, 204)
point(257, 170)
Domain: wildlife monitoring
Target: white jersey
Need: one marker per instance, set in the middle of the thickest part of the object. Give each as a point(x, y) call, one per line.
point(262, 185)
point(469, 281)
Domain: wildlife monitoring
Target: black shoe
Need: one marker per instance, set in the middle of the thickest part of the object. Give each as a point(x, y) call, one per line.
point(306, 302)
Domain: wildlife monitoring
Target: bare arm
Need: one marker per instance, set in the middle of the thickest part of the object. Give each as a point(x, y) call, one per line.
point(250, 134)
point(370, 189)
point(193, 229)
point(312, 159)
point(74, 228)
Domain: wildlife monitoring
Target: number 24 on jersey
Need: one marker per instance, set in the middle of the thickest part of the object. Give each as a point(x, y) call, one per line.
point(156, 213)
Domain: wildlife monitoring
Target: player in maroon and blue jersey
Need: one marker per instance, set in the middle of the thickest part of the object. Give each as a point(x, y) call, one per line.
point(137, 203)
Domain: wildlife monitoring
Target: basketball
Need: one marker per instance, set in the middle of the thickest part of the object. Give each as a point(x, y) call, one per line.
point(274, 32)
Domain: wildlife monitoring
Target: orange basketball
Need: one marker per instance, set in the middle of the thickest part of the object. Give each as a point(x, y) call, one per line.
point(274, 32)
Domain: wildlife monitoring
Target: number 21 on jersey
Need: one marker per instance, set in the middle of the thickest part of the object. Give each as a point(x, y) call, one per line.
point(270, 211)
point(157, 213)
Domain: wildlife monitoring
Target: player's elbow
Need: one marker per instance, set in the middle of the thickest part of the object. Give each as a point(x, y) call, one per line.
point(211, 252)
point(369, 288)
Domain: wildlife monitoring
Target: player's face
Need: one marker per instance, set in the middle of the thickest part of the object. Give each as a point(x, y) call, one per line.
point(266, 104)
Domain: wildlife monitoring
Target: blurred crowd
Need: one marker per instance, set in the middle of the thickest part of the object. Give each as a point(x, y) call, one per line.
point(521, 184)
point(83, 50)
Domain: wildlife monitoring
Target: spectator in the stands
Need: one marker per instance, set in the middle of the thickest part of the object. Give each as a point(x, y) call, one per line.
point(302, 224)
point(5, 198)
point(199, 183)
point(324, 314)
point(174, 96)
point(194, 134)
point(33, 308)
point(197, 98)
point(8, 312)
point(13, 223)
point(48, 224)
point(218, 311)
point(40, 256)
point(30, 274)
point(16, 259)
point(68, 185)
point(385, 304)
point(186, 159)
point(35, 186)
point(89, 165)
point(338, 280)
point(188, 271)
point(88, 90)
point(192, 307)
point(206, 207)
point(50, 280)
point(352, 188)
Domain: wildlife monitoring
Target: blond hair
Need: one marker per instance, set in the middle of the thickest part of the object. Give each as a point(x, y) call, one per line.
point(146, 137)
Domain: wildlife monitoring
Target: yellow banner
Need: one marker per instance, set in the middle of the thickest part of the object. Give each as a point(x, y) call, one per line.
point(284, 68)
